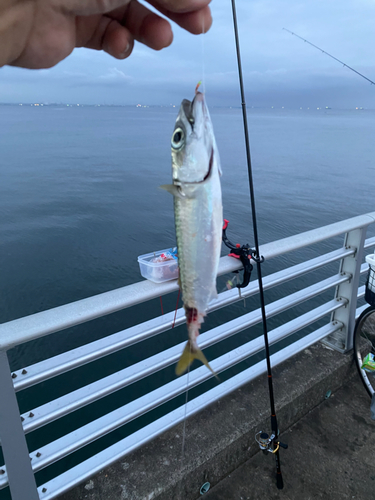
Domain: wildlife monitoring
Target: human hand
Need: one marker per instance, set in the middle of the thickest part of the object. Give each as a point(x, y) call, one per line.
point(40, 33)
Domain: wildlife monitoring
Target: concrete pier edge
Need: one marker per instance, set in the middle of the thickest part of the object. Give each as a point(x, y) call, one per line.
point(221, 437)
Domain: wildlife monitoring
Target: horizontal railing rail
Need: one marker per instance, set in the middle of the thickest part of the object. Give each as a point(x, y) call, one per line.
point(95, 350)
point(370, 242)
point(107, 385)
point(40, 324)
point(338, 313)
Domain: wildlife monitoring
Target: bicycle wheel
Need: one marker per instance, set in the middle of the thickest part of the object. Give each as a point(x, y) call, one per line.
point(363, 344)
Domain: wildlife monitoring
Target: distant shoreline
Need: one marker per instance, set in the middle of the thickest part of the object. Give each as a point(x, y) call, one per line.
point(173, 106)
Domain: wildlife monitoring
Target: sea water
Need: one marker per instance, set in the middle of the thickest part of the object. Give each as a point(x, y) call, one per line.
point(79, 197)
point(79, 201)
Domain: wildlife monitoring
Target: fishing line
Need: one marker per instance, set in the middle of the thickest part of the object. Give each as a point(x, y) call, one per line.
point(186, 402)
point(185, 412)
point(161, 305)
point(203, 59)
point(258, 259)
point(202, 80)
point(175, 312)
point(182, 458)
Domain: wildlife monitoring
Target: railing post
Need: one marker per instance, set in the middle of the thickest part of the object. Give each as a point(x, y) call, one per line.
point(16, 454)
point(342, 340)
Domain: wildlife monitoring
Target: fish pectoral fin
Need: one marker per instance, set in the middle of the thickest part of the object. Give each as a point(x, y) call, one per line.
point(188, 356)
point(174, 190)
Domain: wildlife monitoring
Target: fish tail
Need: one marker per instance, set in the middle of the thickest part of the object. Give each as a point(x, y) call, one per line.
point(188, 356)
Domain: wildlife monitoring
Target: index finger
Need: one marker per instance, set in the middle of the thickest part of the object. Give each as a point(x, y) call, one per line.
point(192, 15)
point(179, 7)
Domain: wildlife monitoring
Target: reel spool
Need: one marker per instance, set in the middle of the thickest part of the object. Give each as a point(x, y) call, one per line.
point(267, 443)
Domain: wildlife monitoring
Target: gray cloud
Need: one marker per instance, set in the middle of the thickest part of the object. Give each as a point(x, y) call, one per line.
point(279, 69)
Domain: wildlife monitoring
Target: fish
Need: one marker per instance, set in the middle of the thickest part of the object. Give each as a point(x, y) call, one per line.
point(198, 214)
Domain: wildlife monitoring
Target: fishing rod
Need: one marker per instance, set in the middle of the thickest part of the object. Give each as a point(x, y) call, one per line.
point(266, 442)
point(330, 55)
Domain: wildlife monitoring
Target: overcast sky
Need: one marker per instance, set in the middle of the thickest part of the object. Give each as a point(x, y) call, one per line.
point(279, 69)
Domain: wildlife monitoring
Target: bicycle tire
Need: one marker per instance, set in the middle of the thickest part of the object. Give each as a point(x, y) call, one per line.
point(363, 344)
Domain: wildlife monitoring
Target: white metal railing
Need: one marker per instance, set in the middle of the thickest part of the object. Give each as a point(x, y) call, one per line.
point(338, 312)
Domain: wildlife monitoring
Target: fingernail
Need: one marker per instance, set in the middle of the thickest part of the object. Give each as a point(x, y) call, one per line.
point(125, 53)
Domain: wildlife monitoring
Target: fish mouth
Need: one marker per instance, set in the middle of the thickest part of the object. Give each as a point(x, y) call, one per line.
point(199, 99)
point(210, 163)
point(189, 107)
point(190, 110)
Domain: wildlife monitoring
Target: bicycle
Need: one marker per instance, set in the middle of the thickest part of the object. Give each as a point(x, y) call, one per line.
point(364, 333)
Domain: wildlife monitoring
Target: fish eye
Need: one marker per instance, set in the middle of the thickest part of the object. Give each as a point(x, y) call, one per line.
point(178, 138)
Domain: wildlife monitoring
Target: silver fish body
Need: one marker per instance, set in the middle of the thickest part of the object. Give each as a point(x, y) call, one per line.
point(198, 221)
point(198, 215)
